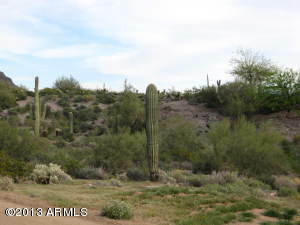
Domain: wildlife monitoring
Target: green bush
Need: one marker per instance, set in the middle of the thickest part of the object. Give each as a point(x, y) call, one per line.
point(220, 178)
point(83, 98)
point(137, 174)
point(7, 99)
point(178, 140)
point(92, 173)
point(14, 121)
point(126, 114)
point(267, 179)
point(67, 85)
point(119, 152)
point(49, 92)
point(272, 213)
point(238, 99)
point(246, 216)
point(6, 184)
point(105, 97)
point(13, 167)
point(287, 192)
point(208, 95)
point(19, 143)
point(247, 149)
point(281, 91)
point(117, 210)
point(20, 93)
point(64, 101)
point(84, 114)
point(289, 214)
point(292, 150)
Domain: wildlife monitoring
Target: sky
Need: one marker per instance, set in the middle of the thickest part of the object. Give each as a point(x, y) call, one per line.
point(171, 43)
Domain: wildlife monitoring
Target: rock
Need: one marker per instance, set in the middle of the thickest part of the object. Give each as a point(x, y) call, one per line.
point(6, 79)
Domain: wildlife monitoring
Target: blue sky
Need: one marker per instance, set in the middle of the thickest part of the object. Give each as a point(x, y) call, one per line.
point(172, 43)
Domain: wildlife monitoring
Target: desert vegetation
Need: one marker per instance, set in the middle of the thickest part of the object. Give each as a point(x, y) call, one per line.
point(121, 156)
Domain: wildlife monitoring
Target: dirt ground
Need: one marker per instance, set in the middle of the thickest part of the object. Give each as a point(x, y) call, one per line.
point(13, 200)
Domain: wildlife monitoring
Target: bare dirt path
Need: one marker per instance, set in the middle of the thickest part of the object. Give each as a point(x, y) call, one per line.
point(43, 220)
point(15, 200)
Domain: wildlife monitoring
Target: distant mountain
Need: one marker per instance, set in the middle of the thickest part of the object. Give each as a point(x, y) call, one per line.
point(6, 79)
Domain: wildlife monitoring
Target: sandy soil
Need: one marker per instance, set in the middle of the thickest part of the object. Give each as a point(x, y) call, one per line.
point(35, 220)
point(14, 200)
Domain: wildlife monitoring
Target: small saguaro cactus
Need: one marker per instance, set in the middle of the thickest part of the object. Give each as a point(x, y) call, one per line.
point(71, 122)
point(37, 108)
point(207, 80)
point(152, 113)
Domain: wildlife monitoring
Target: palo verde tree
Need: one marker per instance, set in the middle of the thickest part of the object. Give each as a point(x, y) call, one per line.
point(252, 67)
point(282, 90)
point(67, 84)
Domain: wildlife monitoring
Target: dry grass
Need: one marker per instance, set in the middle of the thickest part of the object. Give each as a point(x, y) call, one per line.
point(154, 203)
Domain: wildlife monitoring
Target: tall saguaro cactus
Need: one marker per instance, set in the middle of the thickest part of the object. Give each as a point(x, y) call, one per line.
point(37, 107)
point(152, 113)
point(71, 122)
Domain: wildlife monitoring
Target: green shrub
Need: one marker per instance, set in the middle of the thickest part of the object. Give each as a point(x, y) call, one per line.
point(64, 101)
point(178, 140)
point(14, 121)
point(126, 114)
point(105, 97)
point(272, 213)
point(117, 153)
point(137, 174)
point(13, 167)
point(67, 85)
point(223, 177)
point(97, 109)
point(67, 135)
point(247, 149)
point(296, 139)
point(289, 214)
point(246, 216)
point(117, 210)
point(49, 92)
point(267, 179)
point(284, 222)
point(6, 184)
point(168, 190)
point(281, 91)
point(7, 99)
point(238, 99)
point(81, 98)
point(20, 144)
point(84, 114)
point(292, 150)
point(208, 95)
point(20, 93)
point(287, 192)
point(92, 173)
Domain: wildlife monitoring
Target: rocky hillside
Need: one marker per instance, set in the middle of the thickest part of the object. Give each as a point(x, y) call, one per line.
point(6, 79)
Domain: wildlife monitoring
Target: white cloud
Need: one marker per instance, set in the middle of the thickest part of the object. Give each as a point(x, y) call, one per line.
point(171, 42)
point(92, 85)
point(73, 51)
